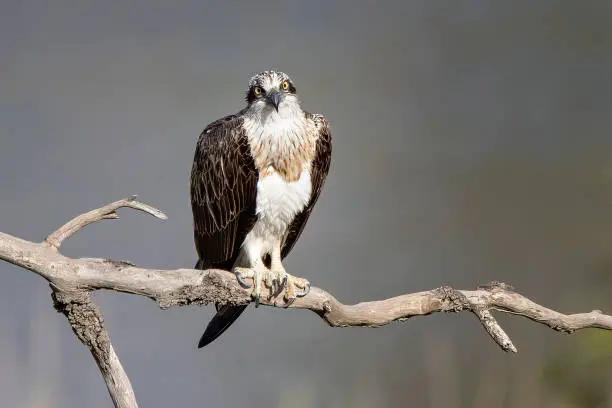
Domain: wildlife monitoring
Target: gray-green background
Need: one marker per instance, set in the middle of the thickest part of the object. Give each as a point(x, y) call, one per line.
point(471, 142)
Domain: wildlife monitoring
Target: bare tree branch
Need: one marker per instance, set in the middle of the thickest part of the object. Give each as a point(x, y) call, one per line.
point(72, 279)
point(88, 325)
point(107, 212)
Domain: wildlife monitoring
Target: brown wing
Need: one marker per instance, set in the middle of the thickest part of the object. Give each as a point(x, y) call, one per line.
point(223, 192)
point(318, 173)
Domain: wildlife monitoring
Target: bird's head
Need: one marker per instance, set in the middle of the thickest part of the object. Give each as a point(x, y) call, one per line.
point(272, 90)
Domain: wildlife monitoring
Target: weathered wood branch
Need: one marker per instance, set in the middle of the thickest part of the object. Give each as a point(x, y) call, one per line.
point(72, 279)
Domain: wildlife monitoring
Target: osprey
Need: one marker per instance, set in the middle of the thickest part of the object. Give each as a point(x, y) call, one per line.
point(255, 179)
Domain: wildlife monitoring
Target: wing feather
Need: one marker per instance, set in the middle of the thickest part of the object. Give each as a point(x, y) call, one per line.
point(223, 192)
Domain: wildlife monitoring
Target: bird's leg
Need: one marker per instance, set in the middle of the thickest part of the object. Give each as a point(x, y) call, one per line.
point(282, 280)
point(259, 273)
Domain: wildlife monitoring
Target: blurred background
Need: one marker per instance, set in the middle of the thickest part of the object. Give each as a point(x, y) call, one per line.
point(471, 143)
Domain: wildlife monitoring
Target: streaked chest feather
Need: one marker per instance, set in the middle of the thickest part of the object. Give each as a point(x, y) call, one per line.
point(281, 145)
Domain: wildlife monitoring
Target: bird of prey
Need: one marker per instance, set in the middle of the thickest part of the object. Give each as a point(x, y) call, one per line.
point(256, 177)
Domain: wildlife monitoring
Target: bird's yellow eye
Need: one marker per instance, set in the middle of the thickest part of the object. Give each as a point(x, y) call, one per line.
point(257, 91)
point(285, 85)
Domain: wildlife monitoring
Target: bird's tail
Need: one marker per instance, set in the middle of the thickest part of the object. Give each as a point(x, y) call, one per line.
point(226, 315)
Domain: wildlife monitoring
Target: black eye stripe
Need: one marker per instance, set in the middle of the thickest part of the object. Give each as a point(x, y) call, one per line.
point(252, 95)
point(291, 88)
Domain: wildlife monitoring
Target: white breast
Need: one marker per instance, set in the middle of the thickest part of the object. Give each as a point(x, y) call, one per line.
point(277, 204)
point(279, 201)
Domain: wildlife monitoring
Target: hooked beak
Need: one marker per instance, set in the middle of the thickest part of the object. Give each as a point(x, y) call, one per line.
point(274, 99)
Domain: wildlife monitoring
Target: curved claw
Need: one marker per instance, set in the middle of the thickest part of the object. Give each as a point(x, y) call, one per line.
point(281, 287)
point(241, 280)
point(289, 302)
point(256, 301)
point(274, 288)
point(304, 291)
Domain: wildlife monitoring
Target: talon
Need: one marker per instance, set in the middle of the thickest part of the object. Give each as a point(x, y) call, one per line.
point(241, 280)
point(281, 287)
point(289, 302)
point(274, 288)
point(304, 291)
point(256, 289)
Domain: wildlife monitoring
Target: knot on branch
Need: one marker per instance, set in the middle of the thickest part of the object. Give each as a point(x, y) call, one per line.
point(496, 285)
point(119, 264)
point(86, 322)
point(452, 300)
point(561, 326)
point(213, 288)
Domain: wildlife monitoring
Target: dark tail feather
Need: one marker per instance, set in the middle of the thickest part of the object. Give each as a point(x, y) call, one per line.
point(226, 315)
